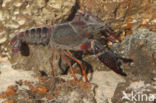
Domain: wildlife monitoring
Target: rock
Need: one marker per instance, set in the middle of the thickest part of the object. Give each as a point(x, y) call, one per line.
point(17, 3)
point(5, 2)
point(121, 14)
point(107, 83)
point(140, 80)
point(140, 47)
point(154, 78)
point(2, 37)
point(41, 3)
point(1, 15)
point(4, 14)
point(21, 20)
point(16, 12)
point(133, 92)
point(55, 4)
point(61, 89)
point(9, 76)
point(2, 40)
point(12, 24)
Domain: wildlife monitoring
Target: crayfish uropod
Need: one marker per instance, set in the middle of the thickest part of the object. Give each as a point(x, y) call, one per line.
point(75, 35)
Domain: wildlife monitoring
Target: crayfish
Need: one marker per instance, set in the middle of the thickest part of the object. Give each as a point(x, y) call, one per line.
point(80, 34)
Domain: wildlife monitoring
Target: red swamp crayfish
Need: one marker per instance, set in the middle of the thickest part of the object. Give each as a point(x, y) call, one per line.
point(80, 34)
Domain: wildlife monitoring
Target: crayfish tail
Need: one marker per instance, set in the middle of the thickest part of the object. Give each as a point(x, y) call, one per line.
point(36, 35)
point(32, 36)
point(15, 44)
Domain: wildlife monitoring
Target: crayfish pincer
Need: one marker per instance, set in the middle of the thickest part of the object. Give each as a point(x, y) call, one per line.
point(75, 35)
point(111, 60)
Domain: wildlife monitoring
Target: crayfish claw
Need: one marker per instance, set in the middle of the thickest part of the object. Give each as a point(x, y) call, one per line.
point(126, 60)
point(111, 60)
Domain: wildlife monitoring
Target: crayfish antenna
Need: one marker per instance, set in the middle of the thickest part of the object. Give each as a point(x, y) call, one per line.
point(108, 30)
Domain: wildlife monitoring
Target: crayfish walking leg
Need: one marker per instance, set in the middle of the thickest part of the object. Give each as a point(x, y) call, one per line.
point(51, 62)
point(70, 66)
point(68, 53)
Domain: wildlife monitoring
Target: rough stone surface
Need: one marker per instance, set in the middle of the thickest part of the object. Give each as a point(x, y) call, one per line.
point(23, 87)
point(137, 89)
point(140, 80)
point(123, 15)
point(107, 83)
point(8, 76)
point(141, 48)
